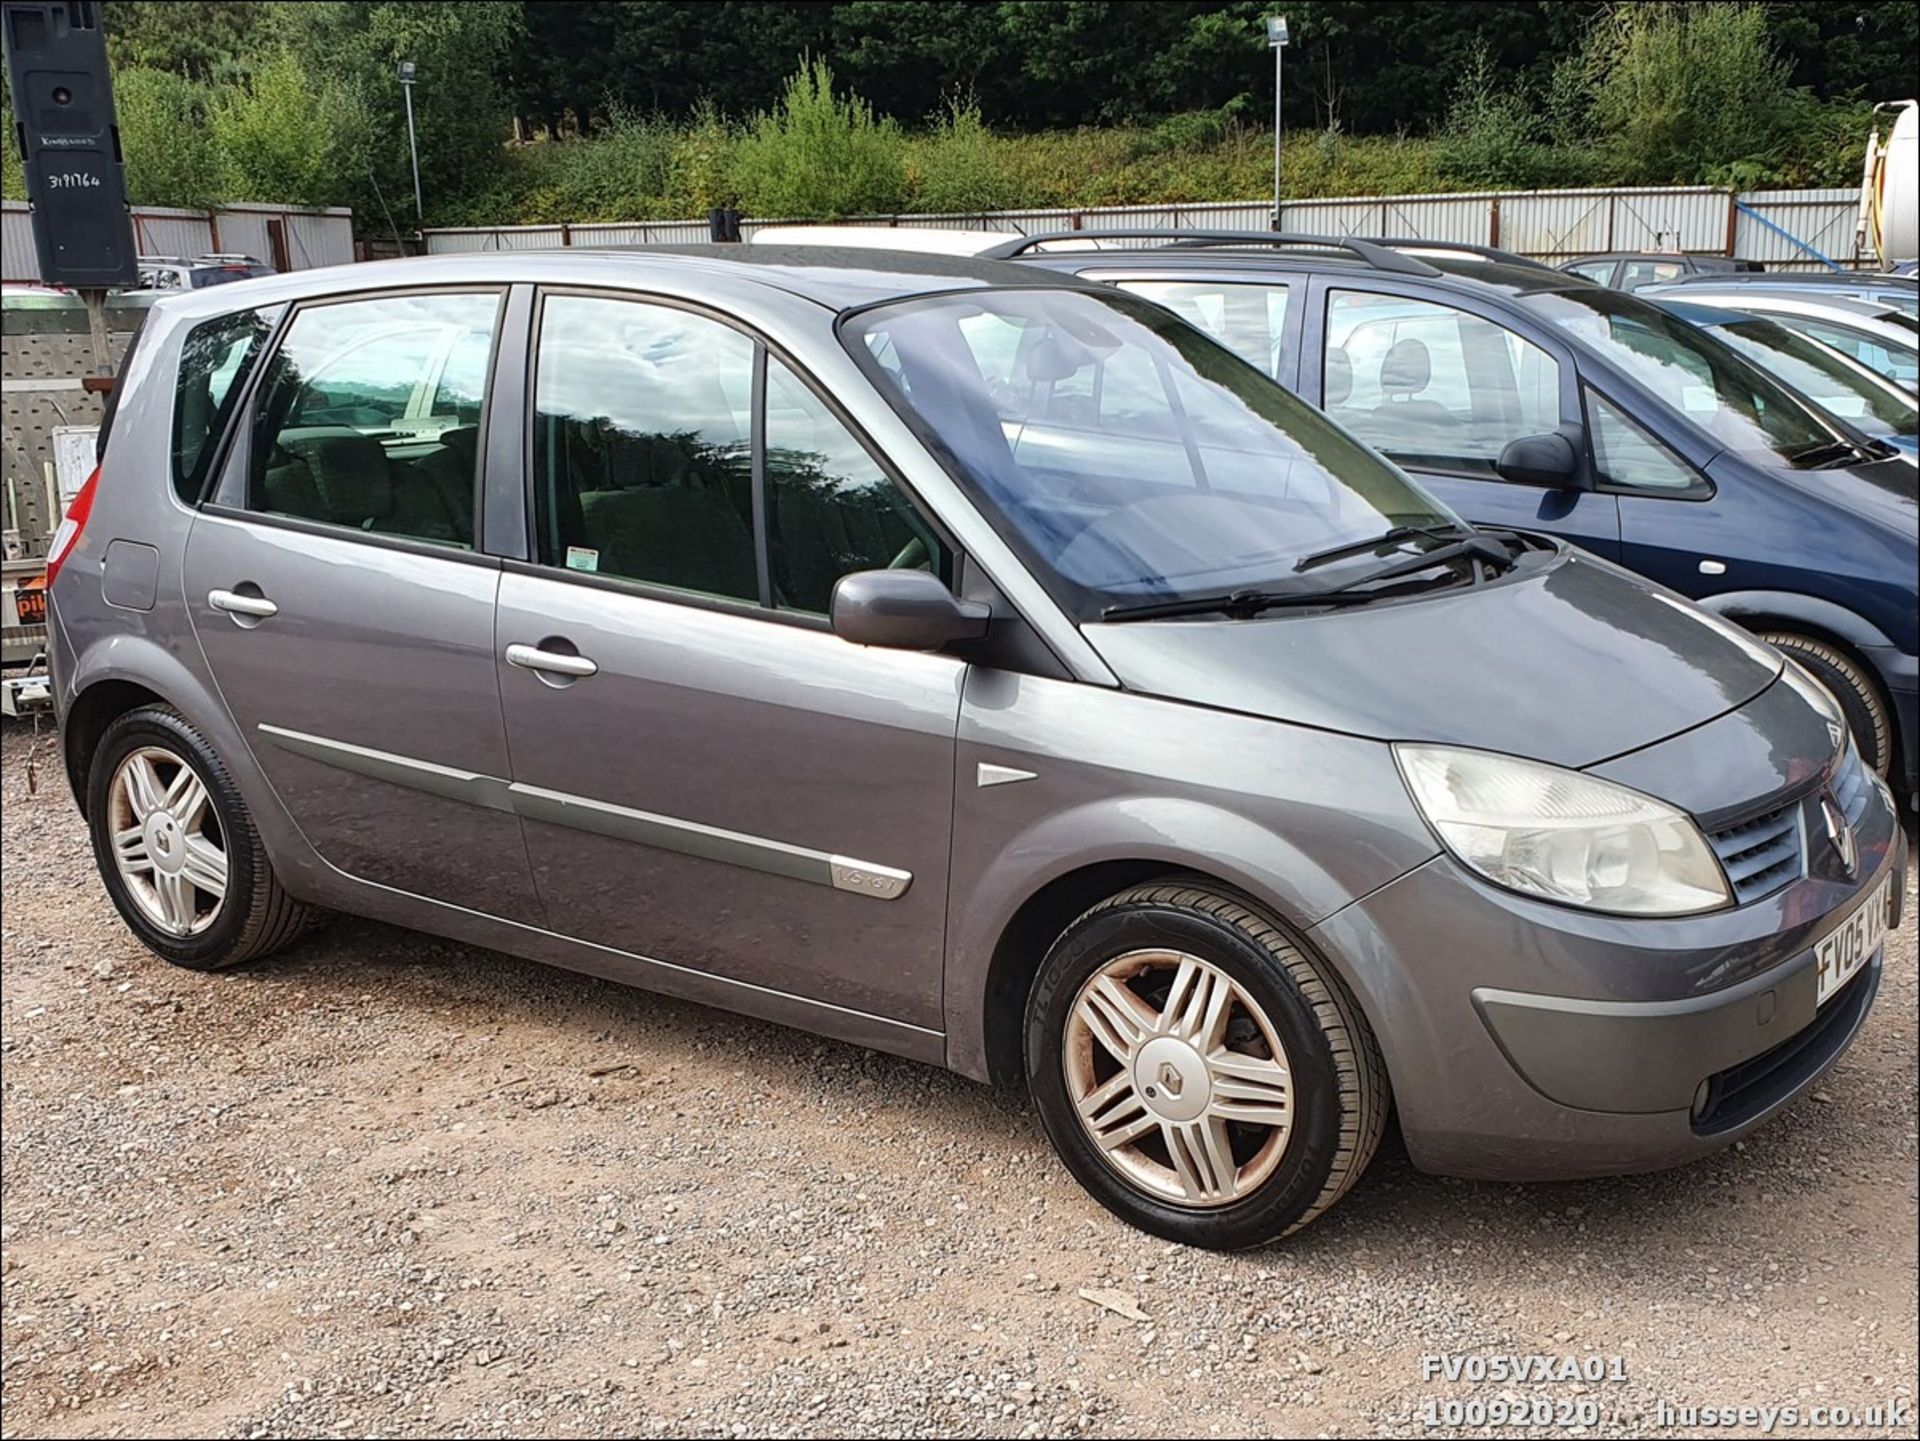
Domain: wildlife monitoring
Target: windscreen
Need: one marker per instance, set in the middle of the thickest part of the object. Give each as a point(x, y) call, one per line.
point(1702, 377)
point(1126, 455)
point(1838, 385)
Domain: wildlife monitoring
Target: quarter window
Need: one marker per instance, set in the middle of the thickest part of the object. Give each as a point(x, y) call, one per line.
point(215, 360)
point(1625, 455)
point(1250, 320)
point(642, 445)
point(1650, 272)
point(831, 509)
point(349, 429)
point(1434, 387)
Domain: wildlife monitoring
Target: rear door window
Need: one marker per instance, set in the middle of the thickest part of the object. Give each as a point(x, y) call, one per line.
point(344, 431)
point(1637, 273)
point(215, 360)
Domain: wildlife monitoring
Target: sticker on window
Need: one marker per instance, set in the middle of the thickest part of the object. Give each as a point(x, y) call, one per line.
point(581, 558)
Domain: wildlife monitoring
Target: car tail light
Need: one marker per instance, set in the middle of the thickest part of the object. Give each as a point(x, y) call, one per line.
point(68, 535)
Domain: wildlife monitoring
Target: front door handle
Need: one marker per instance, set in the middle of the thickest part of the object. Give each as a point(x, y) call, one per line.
point(531, 657)
point(234, 603)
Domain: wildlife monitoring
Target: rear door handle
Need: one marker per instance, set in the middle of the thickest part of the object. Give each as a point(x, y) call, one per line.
point(531, 657)
point(257, 606)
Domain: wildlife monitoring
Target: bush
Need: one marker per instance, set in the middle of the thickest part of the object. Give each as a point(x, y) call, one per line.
point(820, 155)
point(700, 172)
point(282, 138)
point(1496, 138)
point(1690, 93)
point(169, 152)
point(960, 165)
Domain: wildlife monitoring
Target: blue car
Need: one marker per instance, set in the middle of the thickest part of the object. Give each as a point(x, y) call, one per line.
point(1839, 386)
point(1530, 398)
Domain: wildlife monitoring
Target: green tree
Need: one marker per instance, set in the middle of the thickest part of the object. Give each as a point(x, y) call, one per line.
point(1687, 93)
point(164, 138)
point(821, 155)
point(286, 137)
point(460, 51)
point(209, 42)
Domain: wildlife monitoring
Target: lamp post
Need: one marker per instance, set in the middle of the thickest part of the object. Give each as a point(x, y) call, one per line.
point(1277, 41)
point(405, 72)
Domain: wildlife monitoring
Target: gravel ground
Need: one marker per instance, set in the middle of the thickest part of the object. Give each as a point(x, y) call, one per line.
point(386, 1184)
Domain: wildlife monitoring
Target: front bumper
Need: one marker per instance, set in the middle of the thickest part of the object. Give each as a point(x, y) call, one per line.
point(1531, 1042)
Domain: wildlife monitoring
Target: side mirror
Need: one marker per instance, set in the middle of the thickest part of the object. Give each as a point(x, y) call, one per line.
point(1547, 460)
point(904, 610)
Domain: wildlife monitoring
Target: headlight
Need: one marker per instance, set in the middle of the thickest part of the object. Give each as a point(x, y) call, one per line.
point(1563, 836)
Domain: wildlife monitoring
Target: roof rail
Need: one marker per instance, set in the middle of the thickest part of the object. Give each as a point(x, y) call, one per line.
point(1455, 247)
point(1380, 257)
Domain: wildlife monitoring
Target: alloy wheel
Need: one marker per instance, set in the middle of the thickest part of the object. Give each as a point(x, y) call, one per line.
point(168, 845)
point(1179, 1077)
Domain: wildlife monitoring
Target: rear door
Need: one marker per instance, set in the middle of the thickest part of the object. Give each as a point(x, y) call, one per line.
point(344, 610)
point(1442, 386)
point(710, 778)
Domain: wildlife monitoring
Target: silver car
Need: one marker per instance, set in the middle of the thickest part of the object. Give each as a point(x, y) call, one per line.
point(969, 662)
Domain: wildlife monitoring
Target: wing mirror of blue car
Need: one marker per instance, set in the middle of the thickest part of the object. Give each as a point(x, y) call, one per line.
point(1548, 460)
point(904, 610)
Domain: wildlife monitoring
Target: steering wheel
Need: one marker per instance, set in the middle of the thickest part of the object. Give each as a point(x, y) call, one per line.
point(912, 556)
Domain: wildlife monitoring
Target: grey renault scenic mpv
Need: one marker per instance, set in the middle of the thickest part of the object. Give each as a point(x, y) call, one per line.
point(966, 661)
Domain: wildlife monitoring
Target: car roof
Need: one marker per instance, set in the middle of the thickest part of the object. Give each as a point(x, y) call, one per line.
point(1514, 279)
point(1802, 280)
point(1809, 301)
point(836, 278)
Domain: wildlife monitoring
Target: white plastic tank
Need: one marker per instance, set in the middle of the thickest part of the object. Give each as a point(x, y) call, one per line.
point(1900, 188)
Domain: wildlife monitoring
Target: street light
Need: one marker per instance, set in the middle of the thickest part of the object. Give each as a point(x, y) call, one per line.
point(405, 71)
point(1277, 40)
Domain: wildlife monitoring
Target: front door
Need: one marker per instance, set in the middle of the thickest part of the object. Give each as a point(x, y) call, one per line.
point(1442, 391)
point(342, 608)
point(708, 776)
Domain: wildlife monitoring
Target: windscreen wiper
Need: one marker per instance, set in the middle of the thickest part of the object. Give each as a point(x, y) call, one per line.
point(1828, 453)
point(1398, 534)
point(1252, 602)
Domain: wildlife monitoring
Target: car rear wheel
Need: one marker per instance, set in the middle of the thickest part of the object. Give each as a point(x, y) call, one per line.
point(1202, 1075)
point(177, 847)
point(1853, 687)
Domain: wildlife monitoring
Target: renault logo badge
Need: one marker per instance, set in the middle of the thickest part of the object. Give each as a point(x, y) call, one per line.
point(1840, 835)
point(1170, 1081)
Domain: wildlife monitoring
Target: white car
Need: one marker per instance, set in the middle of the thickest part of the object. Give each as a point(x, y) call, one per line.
point(1881, 337)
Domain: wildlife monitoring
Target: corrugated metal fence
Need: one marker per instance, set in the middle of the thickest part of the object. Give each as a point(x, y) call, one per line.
point(1546, 224)
point(284, 237)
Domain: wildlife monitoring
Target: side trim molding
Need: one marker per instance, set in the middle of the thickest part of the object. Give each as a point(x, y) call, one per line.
point(534, 803)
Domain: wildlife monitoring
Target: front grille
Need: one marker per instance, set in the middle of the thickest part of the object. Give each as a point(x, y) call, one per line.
point(1761, 855)
point(1739, 1093)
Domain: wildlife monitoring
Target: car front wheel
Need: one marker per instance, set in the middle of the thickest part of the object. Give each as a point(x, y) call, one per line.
point(1202, 1075)
point(1868, 716)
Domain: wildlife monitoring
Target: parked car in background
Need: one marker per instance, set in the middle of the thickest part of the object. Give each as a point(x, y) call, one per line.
point(1283, 793)
point(1881, 337)
point(1631, 269)
point(1837, 384)
point(1880, 287)
point(171, 272)
point(1525, 397)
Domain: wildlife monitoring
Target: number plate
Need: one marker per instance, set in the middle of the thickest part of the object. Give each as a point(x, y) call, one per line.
point(1842, 954)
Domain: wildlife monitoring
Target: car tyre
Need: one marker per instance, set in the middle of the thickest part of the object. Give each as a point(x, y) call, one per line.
point(1206, 994)
point(1853, 687)
point(178, 850)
